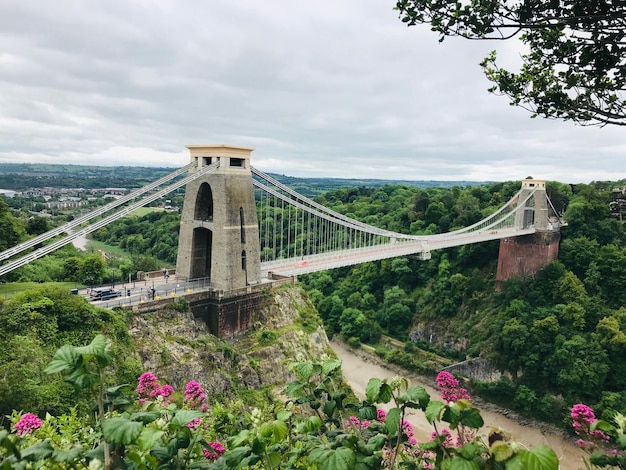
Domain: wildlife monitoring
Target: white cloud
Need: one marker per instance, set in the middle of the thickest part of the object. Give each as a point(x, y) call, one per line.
point(338, 89)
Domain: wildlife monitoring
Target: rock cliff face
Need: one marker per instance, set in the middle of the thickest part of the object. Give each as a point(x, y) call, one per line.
point(177, 347)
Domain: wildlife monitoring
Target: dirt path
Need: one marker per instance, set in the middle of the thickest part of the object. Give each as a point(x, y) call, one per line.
point(358, 369)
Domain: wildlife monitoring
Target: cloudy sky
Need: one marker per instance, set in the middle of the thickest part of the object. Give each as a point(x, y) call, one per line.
point(330, 88)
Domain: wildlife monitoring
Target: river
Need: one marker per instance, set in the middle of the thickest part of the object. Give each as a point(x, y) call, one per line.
point(358, 369)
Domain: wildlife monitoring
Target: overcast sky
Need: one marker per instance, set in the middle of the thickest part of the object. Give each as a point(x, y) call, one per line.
point(326, 88)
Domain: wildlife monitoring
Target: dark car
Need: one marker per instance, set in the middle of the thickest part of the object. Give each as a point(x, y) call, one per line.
point(104, 293)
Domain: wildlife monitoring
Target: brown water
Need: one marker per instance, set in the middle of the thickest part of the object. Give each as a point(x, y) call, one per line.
point(357, 371)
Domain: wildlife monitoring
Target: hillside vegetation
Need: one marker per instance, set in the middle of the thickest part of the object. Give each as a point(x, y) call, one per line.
point(560, 336)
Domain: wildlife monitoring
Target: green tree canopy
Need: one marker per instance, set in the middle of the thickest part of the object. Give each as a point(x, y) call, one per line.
point(575, 64)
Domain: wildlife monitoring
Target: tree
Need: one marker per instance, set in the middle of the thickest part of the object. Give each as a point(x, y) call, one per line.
point(575, 67)
point(11, 231)
point(92, 270)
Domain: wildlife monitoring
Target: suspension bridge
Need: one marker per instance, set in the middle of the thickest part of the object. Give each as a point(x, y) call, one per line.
point(241, 227)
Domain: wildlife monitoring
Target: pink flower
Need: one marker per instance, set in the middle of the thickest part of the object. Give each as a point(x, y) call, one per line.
point(147, 384)
point(356, 422)
point(166, 390)
point(583, 417)
point(582, 414)
point(27, 424)
point(194, 423)
point(216, 451)
point(149, 388)
point(449, 386)
point(448, 441)
point(407, 428)
point(381, 415)
point(194, 394)
point(586, 445)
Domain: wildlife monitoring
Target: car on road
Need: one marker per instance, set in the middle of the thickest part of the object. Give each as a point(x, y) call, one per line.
point(104, 293)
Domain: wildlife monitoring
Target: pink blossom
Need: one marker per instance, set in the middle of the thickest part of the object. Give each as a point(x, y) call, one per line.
point(149, 388)
point(27, 424)
point(216, 451)
point(583, 417)
point(147, 384)
point(447, 435)
point(587, 445)
point(194, 423)
point(449, 386)
point(407, 428)
point(381, 415)
point(356, 422)
point(582, 414)
point(194, 394)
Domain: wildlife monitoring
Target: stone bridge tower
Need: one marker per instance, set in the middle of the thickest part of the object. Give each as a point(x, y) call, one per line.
point(219, 233)
point(525, 255)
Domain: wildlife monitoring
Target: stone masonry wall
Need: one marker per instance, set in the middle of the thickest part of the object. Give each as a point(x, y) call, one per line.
point(521, 257)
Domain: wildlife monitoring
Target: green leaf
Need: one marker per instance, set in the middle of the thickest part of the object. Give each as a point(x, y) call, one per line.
point(471, 418)
point(386, 394)
point(305, 370)
point(452, 415)
point(311, 425)
point(277, 430)
point(376, 443)
point(114, 391)
point(367, 412)
point(148, 438)
point(64, 358)
point(416, 396)
point(183, 417)
point(97, 347)
point(341, 458)
point(7, 443)
point(82, 378)
point(458, 463)
point(120, 430)
point(97, 453)
point(372, 390)
point(433, 411)
point(602, 426)
point(145, 416)
point(162, 453)
point(239, 439)
point(393, 421)
point(330, 366)
point(284, 415)
point(39, 451)
point(233, 457)
point(67, 456)
point(539, 458)
point(258, 446)
point(293, 389)
point(329, 407)
point(274, 459)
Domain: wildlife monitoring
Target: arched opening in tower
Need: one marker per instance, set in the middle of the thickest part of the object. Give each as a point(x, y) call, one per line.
point(201, 250)
point(204, 203)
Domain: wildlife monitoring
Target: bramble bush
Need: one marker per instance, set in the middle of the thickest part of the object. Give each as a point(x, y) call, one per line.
point(320, 426)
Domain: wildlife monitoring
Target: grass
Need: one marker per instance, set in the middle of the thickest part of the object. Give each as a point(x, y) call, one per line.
point(141, 211)
point(10, 289)
point(109, 249)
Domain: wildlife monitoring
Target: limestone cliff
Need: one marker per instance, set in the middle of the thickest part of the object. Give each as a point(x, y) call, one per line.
point(177, 347)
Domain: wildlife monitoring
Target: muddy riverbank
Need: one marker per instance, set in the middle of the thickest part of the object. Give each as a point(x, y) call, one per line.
point(358, 367)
